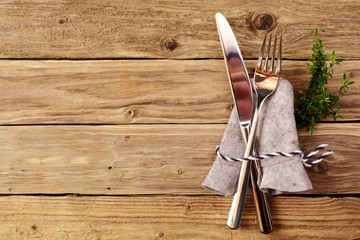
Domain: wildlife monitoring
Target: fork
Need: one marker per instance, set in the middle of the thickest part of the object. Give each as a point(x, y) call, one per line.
point(266, 79)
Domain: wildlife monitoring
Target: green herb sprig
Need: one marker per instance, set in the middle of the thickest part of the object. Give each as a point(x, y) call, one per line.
point(316, 103)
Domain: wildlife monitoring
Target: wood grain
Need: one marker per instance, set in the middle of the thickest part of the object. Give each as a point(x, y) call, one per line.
point(110, 111)
point(170, 29)
point(137, 91)
point(146, 159)
point(173, 217)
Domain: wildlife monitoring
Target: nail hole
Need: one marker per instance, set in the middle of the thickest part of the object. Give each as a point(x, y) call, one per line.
point(109, 168)
point(63, 20)
point(34, 227)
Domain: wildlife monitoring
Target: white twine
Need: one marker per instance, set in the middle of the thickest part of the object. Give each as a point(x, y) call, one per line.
point(305, 160)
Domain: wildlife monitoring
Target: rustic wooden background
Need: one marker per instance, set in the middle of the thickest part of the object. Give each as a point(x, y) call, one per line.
point(110, 111)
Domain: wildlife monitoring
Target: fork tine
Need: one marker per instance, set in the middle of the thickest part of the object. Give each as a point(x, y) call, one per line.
point(278, 63)
point(265, 67)
point(272, 69)
point(258, 65)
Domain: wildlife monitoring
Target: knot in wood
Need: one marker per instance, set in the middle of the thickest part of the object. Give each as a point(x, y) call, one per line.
point(320, 168)
point(263, 21)
point(126, 138)
point(230, 107)
point(170, 44)
point(131, 113)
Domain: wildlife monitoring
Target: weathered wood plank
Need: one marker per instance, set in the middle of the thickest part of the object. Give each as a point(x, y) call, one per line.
point(177, 217)
point(344, 140)
point(145, 159)
point(136, 91)
point(170, 29)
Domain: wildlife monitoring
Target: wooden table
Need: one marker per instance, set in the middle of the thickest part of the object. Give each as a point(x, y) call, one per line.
point(110, 112)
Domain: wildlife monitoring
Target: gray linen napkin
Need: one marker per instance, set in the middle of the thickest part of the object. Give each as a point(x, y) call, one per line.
point(276, 133)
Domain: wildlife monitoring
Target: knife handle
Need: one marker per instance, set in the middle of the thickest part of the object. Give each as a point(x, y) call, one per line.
point(237, 205)
point(261, 202)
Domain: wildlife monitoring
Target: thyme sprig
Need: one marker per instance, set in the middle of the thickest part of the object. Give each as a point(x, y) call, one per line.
point(316, 103)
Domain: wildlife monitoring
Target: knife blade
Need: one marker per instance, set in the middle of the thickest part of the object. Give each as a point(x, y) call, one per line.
point(243, 99)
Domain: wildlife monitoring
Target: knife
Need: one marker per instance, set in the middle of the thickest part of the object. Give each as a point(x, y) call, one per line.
point(243, 97)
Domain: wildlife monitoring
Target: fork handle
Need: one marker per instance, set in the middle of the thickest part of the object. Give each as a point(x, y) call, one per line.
point(261, 202)
point(262, 208)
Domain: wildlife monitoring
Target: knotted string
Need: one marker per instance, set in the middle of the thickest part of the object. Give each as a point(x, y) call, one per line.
point(283, 154)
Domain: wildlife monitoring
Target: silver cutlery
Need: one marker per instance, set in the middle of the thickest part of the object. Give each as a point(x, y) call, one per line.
point(243, 97)
point(265, 82)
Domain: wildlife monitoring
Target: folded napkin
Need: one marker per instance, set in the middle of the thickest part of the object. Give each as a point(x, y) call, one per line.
point(276, 132)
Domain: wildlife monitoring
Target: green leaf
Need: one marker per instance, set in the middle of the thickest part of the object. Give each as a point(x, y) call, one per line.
point(312, 32)
point(352, 82)
point(312, 130)
point(321, 29)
